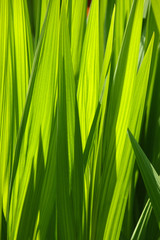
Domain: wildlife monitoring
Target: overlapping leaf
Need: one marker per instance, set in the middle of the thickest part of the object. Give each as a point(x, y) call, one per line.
point(116, 128)
point(77, 32)
point(149, 174)
point(142, 222)
point(66, 158)
point(88, 85)
point(39, 108)
point(16, 66)
point(66, 132)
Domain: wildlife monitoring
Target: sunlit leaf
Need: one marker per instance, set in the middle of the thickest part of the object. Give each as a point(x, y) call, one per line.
point(156, 9)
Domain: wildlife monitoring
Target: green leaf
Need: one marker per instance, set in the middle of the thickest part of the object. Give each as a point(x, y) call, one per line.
point(125, 169)
point(88, 85)
point(66, 132)
point(116, 122)
point(70, 87)
point(39, 108)
point(156, 10)
point(151, 132)
point(77, 32)
point(23, 53)
point(30, 206)
point(96, 133)
point(6, 106)
point(149, 175)
point(47, 200)
point(122, 15)
point(17, 53)
point(107, 59)
point(142, 222)
point(102, 17)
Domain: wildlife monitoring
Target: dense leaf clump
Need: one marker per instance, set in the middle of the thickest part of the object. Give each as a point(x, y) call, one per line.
point(79, 88)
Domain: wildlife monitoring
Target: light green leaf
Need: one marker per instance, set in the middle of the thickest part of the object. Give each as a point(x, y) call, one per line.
point(23, 52)
point(39, 108)
point(122, 15)
point(77, 32)
point(88, 85)
point(6, 106)
point(17, 60)
point(156, 10)
point(41, 13)
point(107, 59)
point(126, 166)
point(102, 29)
point(94, 139)
point(30, 206)
point(119, 107)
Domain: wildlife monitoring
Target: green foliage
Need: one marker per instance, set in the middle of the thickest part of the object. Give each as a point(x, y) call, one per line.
point(70, 87)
